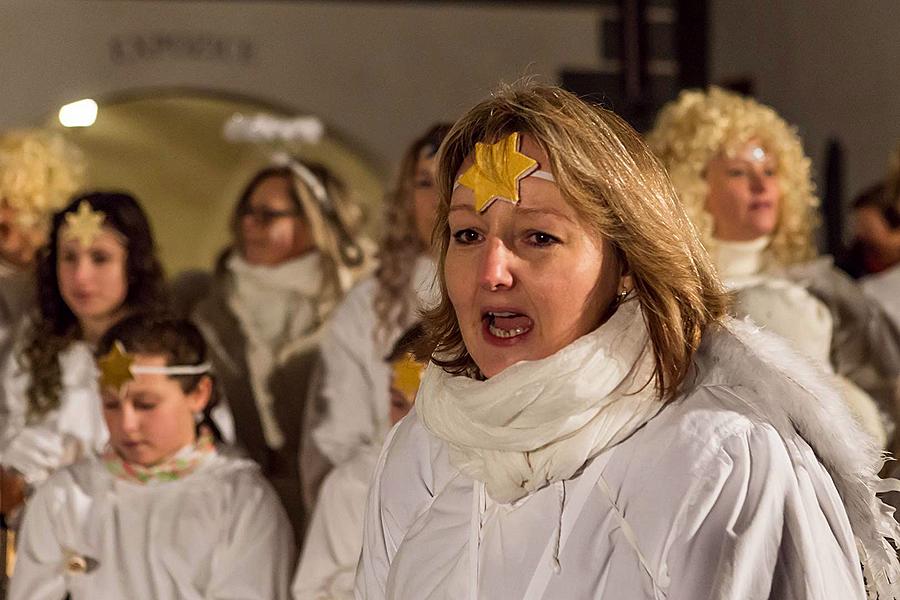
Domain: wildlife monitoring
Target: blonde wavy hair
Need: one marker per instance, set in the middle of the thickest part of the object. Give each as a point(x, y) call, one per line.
point(39, 172)
point(400, 246)
point(700, 125)
point(621, 192)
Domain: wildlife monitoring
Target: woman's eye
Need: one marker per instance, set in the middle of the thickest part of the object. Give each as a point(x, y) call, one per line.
point(99, 258)
point(144, 406)
point(69, 257)
point(423, 184)
point(770, 172)
point(736, 172)
point(541, 238)
point(466, 236)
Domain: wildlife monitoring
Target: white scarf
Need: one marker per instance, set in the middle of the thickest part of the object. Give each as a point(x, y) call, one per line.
point(288, 292)
point(278, 309)
point(538, 422)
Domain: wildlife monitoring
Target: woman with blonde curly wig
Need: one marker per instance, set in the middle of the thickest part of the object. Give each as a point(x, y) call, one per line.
point(39, 171)
point(378, 310)
point(744, 179)
point(592, 424)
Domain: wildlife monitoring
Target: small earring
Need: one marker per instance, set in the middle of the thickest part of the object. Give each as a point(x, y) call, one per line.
point(622, 296)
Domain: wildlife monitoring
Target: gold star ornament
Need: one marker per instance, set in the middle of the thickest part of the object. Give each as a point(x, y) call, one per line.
point(115, 367)
point(497, 170)
point(85, 224)
point(406, 375)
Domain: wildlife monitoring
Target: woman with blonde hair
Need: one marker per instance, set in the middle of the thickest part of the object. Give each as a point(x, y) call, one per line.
point(39, 172)
point(592, 423)
point(744, 179)
point(377, 311)
point(295, 253)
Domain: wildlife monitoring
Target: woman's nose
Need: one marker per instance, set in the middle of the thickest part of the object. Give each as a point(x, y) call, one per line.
point(758, 182)
point(496, 265)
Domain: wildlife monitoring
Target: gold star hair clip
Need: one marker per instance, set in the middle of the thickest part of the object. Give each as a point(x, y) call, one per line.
point(85, 224)
point(117, 368)
point(497, 172)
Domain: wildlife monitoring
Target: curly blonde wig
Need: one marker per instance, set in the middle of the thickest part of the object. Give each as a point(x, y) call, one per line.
point(621, 192)
point(39, 172)
point(400, 245)
point(701, 125)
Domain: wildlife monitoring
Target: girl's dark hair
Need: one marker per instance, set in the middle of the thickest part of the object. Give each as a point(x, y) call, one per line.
point(177, 339)
point(54, 325)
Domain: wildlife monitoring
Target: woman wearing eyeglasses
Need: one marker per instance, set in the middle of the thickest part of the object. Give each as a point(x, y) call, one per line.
point(292, 259)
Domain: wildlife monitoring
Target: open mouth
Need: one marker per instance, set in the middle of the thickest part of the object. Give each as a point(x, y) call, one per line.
point(507, 325)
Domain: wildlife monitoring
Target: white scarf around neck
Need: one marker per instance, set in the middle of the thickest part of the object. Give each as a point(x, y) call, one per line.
point(278, 309)
point(539, 422)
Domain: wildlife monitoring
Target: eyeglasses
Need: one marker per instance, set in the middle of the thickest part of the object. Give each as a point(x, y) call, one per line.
point(266, 216)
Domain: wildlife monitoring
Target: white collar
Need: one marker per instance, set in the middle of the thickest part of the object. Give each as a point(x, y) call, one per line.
point(739, 261)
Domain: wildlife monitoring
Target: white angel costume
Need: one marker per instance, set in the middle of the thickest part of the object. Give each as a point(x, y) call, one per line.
point(884, 288)
point(789, 310)
point(357, 378)
point(219, 532)
point(334, 539)
point(74, 430)
point(566, 478)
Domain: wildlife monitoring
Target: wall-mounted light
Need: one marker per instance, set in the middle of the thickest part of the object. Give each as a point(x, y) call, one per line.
point(82, 113)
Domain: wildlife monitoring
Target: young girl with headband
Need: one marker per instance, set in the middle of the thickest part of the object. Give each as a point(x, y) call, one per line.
point(160, 513)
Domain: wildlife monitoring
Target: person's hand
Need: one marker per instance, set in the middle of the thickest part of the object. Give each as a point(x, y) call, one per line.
point(35, 453)
point(12, 490)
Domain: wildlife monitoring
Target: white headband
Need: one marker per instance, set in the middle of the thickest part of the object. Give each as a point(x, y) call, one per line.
point(540, 174)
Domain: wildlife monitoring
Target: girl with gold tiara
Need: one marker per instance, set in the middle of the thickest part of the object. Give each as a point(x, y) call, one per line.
point(377, 311)
point(592, 423)
point(160, 513)
point(741, 173)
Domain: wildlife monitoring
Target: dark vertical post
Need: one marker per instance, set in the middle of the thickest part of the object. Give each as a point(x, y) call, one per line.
point(634, 49)
point(692, 43)
point(833, 198)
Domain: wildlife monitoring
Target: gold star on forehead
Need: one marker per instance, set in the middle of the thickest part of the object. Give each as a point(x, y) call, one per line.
point(497, 170)
point(115, 367)
point(407, 375)
point(85, 224)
